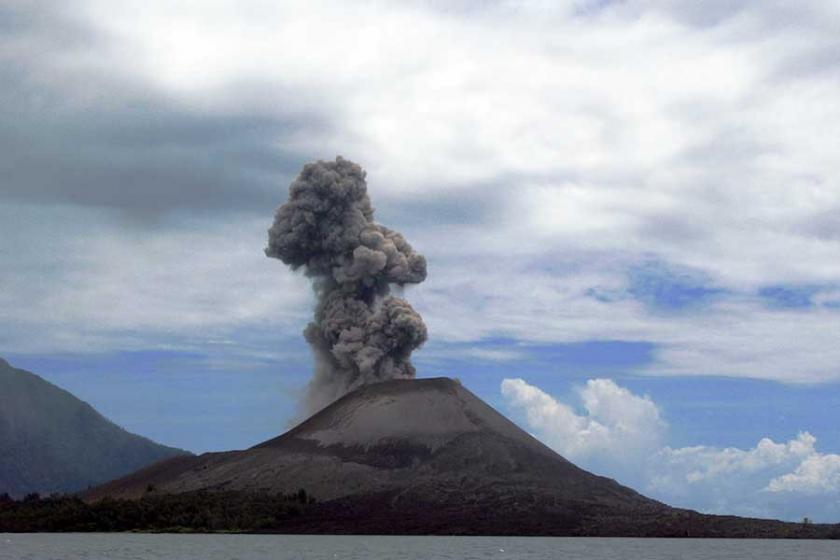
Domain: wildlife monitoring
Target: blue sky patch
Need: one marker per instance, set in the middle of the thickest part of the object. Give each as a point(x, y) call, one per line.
point(789, 297)
point(664, 288)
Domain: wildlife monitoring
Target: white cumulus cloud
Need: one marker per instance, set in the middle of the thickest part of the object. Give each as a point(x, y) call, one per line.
point(816, 474)
point(615, 426)
point(623, 435)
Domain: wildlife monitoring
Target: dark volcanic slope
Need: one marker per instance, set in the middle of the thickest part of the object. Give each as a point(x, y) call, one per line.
point(50, 441)
point(409, 446)
point(427, 456)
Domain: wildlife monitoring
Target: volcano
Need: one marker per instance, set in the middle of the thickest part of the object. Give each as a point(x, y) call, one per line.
point(426, 456)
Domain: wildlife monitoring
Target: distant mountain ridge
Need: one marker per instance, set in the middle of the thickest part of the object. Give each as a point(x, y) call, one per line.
point(51, 441)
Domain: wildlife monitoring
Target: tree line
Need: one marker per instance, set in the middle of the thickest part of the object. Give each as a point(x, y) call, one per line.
point(200, 511)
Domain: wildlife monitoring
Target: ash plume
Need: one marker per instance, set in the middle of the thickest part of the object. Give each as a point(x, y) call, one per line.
point(360, 333)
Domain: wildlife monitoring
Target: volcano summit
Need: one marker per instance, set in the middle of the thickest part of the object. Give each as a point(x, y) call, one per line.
point(426, 456)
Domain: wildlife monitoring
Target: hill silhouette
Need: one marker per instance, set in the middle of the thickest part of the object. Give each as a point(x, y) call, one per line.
point(50, 441)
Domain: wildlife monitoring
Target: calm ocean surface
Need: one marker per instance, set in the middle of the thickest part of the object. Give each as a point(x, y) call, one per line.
point(281, 547)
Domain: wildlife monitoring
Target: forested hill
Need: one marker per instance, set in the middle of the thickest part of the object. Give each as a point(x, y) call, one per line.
point(50, 441)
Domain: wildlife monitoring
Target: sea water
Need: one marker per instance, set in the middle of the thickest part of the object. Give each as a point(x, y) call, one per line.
point(120, 546)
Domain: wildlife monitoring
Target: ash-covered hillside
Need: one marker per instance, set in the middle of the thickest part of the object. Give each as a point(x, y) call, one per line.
point(426, 456)
point(50, 441)
point(425, 437)
point(416, 456)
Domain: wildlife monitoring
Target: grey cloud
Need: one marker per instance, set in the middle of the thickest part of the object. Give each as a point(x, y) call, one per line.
point(813, 61)
point(754, 18)
point(46, 22)
point(480, 203)
point(727, 146)
point(699, 14)
point(90, 138)
point(824, 225)
point(143, 162)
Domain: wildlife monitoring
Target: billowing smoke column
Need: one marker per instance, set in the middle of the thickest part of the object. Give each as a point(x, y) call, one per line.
point(360, 333)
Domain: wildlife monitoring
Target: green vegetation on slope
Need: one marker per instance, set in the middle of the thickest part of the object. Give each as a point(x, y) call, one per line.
point(191, 512)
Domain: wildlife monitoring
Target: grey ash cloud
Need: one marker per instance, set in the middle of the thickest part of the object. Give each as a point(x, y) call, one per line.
point(360, 334)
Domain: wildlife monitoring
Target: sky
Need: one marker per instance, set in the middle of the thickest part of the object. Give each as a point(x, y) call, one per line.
point(629, 211)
